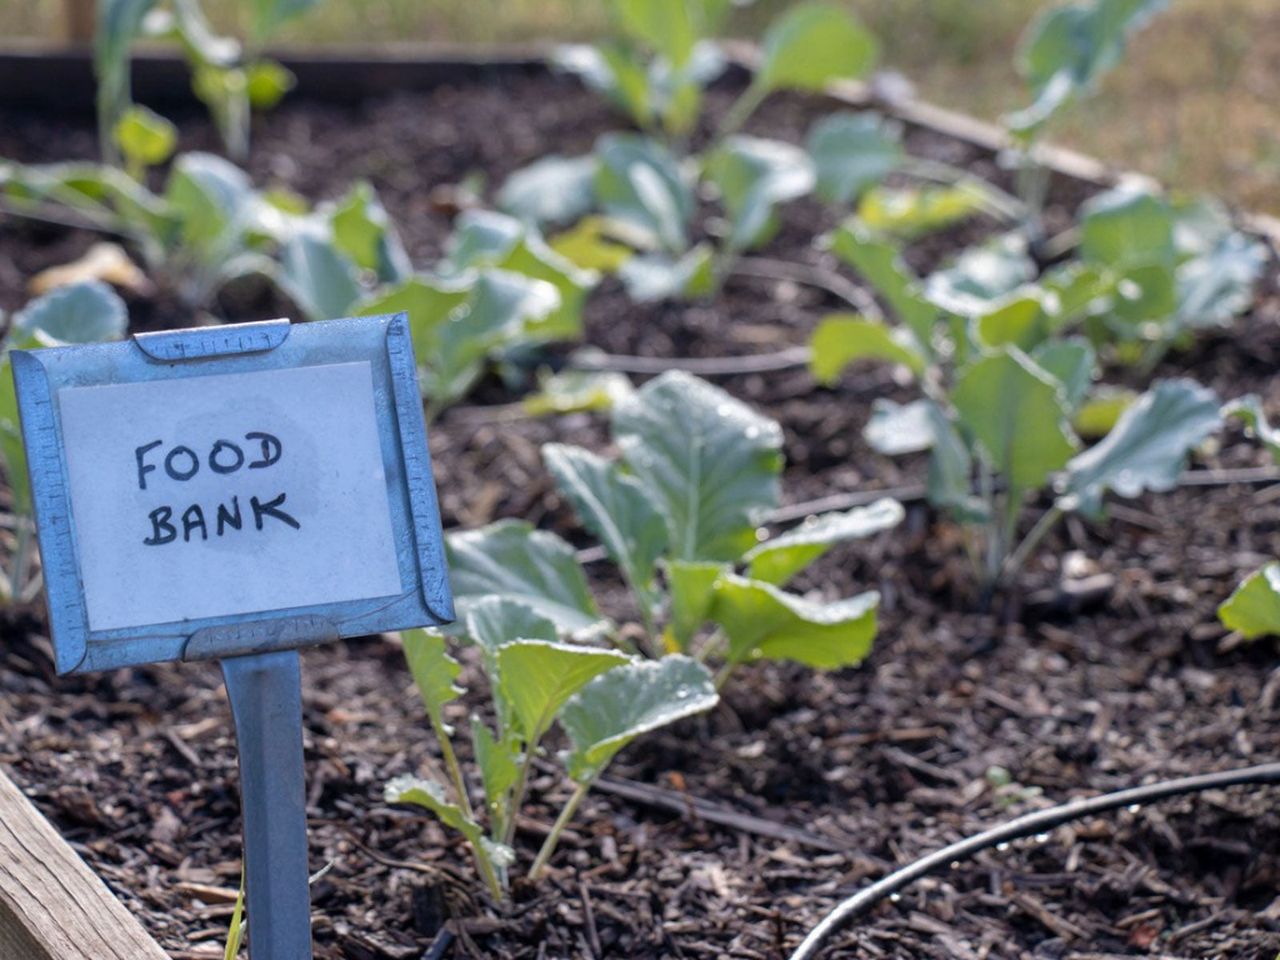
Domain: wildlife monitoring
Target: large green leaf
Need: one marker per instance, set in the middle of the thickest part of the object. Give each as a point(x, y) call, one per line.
point(552, 190)
point(639, 182)
point(613, 71)
point(1127, 226)
point(841, 339)
point(1249, 410)
point(491, 623)
point(1148, 447)
point(880, 263)
point(364, 232)
point(1022, 319)
point(710, 462)
point(754, 177)
point(762, 621)
point(1067, 48)
point(852, 152)
point(627, 702)
point(213, 198)
point(690, 583)
point(538, 677)
point(317, 276)
point(1071, 362)
point(84, 312)
point(513, 560)
point(1254, 608)
point(431, 795)
point(434, 672)
point(951, 470)
point(779, 559)
point(1218, 285)
point(429, 304)
point(813, 44)
point(615, 508)
point(1016, 412)
point(668, 27)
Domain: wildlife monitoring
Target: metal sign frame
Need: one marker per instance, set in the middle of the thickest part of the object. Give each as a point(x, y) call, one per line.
point(425, 597)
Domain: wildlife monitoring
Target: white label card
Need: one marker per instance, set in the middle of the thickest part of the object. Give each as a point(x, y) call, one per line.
point(229, 494)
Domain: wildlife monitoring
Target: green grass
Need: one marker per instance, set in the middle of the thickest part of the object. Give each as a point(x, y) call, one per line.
point(1193, 104)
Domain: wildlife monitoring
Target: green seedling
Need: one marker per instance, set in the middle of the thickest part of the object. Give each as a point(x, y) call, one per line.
point(680, 514)
point(1002, 386)
point(601, 699)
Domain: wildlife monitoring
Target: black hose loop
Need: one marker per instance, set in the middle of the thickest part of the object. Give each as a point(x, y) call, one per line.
point(1025, 826)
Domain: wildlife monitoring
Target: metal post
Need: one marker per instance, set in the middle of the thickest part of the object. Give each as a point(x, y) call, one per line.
point(265, 691)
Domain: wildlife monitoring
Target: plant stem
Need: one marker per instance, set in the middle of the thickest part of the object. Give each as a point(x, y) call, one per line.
point(483, 864)
point(517, 793)
point(741, 111)
point(557, 828)
point(1013, 564)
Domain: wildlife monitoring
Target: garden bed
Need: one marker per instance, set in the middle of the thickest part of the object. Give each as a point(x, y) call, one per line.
point(801, 786)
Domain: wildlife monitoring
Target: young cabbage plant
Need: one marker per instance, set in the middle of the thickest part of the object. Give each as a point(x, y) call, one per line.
point(1001, 388)
point(499, 292)
point(208, 227)
point(601, 699)
point(1162, 271)
point(680, 514)
point(83, 312)
point(1063, 55)
point(230, 81)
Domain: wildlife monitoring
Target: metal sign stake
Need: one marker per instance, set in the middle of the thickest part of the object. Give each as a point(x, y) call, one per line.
point(265, 691)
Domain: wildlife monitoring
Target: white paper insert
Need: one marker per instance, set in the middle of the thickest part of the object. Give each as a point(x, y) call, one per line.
point(308, 433)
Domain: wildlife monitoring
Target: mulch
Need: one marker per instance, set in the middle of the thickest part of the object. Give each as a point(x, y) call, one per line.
point(730, 835)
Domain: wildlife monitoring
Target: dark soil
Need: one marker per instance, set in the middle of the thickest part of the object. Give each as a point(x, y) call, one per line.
point(956, 721)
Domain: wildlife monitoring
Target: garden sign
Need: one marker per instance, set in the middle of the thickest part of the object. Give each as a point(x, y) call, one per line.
point(235, 493)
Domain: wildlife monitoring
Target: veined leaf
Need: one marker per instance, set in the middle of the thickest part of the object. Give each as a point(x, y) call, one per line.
point(852, 152)
point(639, 182)
point(213, 199)
point(1016, 412)
point(1148, 448)
point(615, 508)
point(709, 461)
point(762, 621)
point(434, 672)
point(1126, 226)
point(1068, 48)
point(631, 700)
point(1216, 287)
point(841, 339)
point(428, 302)
point(690, 583)
point(779, 559)
point(912, 212)
point(538, 677)
point(755, 176)
point(85, 312)
point(493, 622)
point(317, 276)
point(363, 231)
point(552, 190)
point(511, 559)
point(1253, 610)
point(1249, 410)
point(880, 263)
point(813, 44)
point(896, 429)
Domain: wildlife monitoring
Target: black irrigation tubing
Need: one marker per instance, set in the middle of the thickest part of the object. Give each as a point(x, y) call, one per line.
point(1018, 829)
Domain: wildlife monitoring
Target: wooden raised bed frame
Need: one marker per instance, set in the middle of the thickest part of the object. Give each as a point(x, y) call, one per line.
point(52, 906)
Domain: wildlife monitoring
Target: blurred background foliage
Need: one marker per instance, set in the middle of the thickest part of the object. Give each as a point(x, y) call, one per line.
point(1194, 104)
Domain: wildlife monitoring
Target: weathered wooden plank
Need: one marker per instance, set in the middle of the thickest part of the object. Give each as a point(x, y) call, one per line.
point(52, 906)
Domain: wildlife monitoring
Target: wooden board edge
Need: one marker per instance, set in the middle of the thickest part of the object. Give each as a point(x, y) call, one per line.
point(52, 906)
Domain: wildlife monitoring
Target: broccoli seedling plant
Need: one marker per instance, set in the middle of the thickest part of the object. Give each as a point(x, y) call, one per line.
point(630, 205)
point(1002, 386)
point(601, 699)
point(679, 512)
point(230, 80)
